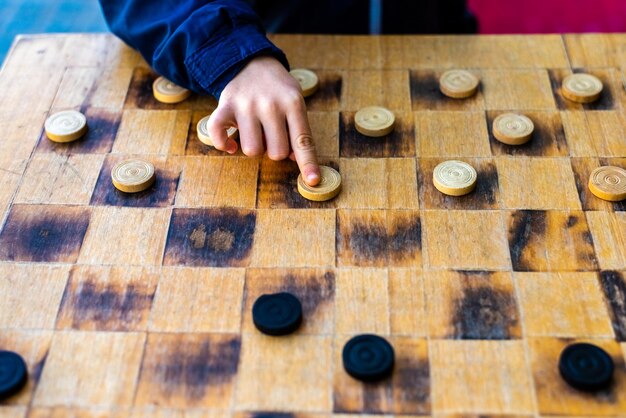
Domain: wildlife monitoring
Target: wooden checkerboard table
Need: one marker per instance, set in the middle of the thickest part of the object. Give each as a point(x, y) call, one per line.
point(139, 306)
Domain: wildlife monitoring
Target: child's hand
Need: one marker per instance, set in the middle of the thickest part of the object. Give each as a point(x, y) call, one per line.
point(265, 103)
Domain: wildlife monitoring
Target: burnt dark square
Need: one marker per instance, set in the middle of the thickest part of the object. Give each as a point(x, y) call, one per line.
point(95, 299)
point(194, 146)
point(407, 392)
point(399, 143)
point(548, 138)
point(140, 94)
point(188, 370)
point(103, 125)
point(314, 288)
point(140, 91)
point(210, 237)
point(486, 195)
point(162, 193)
point(525, 227)
point(618, 162)
point(328, 95)
point(582, 168)
point(44, 233)
point(542, 240)
point(378, 238)
point(426, 95)
point(484, 312)
point(614, 286)
point(278, 186)
point(605, 102)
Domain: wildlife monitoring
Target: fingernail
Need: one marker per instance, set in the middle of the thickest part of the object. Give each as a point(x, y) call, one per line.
point(312, 178)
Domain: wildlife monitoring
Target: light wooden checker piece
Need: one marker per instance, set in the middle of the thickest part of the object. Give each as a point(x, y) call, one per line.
point(328, 187)
point(454, 178)
point(582, 88)
point(165, 91)
point(309, 82)
point(66, 126)
point(374, 121)
point(608, 183)
point(458, 84)
point(513, 128)
point(133, 176)
point(203, 131)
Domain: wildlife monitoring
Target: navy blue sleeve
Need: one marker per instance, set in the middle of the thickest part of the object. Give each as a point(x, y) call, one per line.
point(198, 44)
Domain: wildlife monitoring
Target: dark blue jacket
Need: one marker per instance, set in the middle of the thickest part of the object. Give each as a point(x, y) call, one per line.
point(203, 44)
point(198, 44)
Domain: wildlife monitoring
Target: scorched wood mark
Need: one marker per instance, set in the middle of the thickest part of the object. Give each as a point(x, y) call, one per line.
point(548, 138)
point(140, 93)
point(425, 88)
point(44, 233)
point(614, 288)
point(37, 369)
point(102, 130)
point(605, 102)
point(199, 366)
point(426, 94)
point(278, 186)
point(210, 237)
point(373, 242)
point(525, 226)
point(407, 391)
point(195, 369)
point(161, 194)
point(312, 290)
point(486, 195)
point(399, 143)
point(194, 146)
point(93, 305)
point(484, 313)
point(328, 95)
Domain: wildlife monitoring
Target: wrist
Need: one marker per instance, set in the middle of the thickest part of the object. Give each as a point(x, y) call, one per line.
point(211, 75)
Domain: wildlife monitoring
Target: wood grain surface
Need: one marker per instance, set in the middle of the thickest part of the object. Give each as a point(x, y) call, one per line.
point(140, 305)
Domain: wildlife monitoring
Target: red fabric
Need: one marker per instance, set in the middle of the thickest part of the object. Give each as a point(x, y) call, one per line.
point(549, 16)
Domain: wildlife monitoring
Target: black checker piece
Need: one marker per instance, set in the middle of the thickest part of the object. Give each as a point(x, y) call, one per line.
point(586, 367)
point(13, 374)
point(368, 358)
point(277, 314)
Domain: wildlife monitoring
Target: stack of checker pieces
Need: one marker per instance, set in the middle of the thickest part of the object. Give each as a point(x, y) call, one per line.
point(152, 293)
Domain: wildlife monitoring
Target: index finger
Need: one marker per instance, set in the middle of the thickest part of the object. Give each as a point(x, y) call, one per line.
point(302, 144)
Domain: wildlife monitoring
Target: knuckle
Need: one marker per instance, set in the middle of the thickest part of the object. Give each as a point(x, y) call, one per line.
point(252, 151)
point(225, 107)
point(267, 106)
point(225, 97)
point(214, 124)
point(292, 82)
point(214, 119)
point(294, 99)
point(277, 155)
point(243, 104)
point(224, 110)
